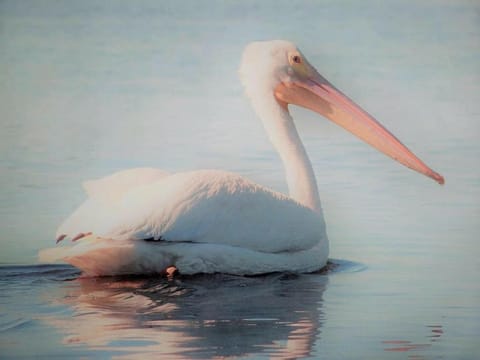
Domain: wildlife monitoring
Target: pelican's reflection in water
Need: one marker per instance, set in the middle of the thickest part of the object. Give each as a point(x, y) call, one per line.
point(203, 316)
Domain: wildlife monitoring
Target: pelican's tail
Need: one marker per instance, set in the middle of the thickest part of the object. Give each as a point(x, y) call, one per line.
point(97, 256)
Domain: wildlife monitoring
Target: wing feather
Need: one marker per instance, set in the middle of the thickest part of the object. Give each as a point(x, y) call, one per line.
point(104, 195)
point(204, 206)
point(110, 189)
point(210, 206)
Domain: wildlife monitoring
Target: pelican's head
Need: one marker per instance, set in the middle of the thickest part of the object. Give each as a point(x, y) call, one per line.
point(276, 72)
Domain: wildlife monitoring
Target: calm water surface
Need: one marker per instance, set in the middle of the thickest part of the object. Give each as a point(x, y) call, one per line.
point(88, 88)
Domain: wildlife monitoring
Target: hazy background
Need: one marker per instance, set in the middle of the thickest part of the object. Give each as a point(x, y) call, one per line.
point(91, 87)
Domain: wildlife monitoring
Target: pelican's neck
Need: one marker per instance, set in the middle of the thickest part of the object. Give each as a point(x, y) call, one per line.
point(298, 168)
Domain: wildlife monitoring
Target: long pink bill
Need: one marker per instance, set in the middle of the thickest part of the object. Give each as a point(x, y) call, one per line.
point(317, 94)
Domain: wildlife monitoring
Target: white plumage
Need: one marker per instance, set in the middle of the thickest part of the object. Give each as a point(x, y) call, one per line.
point(214, 221)
point(203, 221)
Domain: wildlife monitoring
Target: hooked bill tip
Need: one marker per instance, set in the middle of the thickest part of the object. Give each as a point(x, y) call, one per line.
point(438, 178)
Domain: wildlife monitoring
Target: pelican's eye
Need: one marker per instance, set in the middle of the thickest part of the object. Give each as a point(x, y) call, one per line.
point(297, 59)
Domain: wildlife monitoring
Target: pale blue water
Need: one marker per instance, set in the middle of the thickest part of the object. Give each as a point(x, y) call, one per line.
point(88, 88)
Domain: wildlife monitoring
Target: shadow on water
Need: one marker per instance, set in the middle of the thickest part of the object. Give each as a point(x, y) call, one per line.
point(200, 316)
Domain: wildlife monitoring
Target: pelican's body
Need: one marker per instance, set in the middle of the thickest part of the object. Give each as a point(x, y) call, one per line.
point(146, 220)
point(205, 207)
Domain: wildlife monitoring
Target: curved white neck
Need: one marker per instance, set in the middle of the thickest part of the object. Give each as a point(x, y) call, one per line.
point(298, 169)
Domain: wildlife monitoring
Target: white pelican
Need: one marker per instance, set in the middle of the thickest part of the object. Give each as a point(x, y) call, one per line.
point(147, 220)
